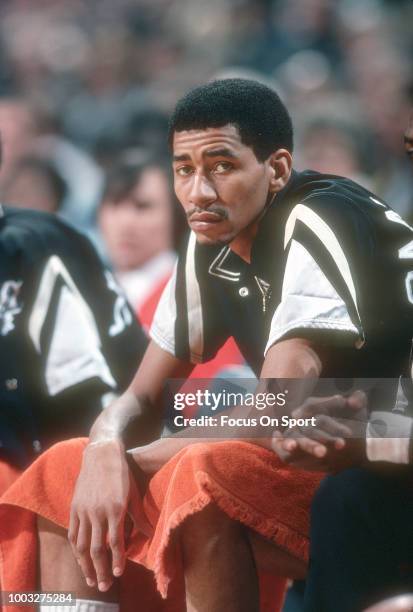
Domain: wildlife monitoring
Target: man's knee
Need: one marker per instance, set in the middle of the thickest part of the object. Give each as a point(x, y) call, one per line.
point(211, 526)
point(211, 519)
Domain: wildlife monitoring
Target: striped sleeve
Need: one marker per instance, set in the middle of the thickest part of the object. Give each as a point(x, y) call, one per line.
point(162, 330)
point(178, 322)
point(187, 321)
point(319, 288)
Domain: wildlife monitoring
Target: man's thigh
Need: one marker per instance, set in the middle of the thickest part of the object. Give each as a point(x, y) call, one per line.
point(272, 559)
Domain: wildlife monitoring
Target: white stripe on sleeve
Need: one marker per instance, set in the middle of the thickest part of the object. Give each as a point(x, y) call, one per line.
point(195, 321)
point(162, 330)
point(320, 228)
point(309, 301)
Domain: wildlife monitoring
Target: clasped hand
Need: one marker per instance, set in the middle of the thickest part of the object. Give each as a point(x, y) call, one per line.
point(336, 439)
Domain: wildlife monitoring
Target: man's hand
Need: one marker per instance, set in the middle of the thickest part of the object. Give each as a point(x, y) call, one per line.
point(97, 517)
point(336, 441)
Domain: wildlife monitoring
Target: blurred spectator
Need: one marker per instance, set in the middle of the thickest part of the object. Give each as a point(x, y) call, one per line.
point(138, 128)
point(42, 170)
point(136, 219)
point(35, 183)
point(337, 142)
point(103, 69)
point(18, 131)
point(81, 174)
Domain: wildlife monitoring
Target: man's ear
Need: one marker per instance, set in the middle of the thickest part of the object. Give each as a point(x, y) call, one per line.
point(280, 166)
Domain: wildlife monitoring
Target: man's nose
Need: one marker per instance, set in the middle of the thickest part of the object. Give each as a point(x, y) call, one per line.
point(203, 191)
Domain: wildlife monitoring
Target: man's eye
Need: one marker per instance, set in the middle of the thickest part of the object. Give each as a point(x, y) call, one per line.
point(183, 170)
point(222, 167)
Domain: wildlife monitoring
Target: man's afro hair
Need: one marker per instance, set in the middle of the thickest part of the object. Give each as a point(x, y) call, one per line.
point(254, 109)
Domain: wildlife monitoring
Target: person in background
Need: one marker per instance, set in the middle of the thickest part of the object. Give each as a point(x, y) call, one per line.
point(361, 540)
point(18, 133)
point(136, 219)
point(339, 145)
point(69, 342)
point(35, 183)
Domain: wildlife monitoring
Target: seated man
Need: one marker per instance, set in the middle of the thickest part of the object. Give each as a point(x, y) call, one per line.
point(286, 263)
point(361, 527)
point(64, 326)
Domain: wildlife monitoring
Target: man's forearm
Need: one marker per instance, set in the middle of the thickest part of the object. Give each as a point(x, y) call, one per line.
point(130, 419)
point(154, 456)
point(294, 360)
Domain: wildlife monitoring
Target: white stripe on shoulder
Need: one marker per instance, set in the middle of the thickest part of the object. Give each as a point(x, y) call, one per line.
point(320, 228)
point(74, 353)
point(52, 270)
point(193, 296)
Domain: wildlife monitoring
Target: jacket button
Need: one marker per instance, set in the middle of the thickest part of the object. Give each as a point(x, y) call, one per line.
point(11, 384)
point(243, 291)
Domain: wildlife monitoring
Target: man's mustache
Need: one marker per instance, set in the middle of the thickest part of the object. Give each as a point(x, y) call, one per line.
point(217, 210)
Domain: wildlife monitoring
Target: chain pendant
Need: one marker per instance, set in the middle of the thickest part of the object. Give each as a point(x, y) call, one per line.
point(265, 290)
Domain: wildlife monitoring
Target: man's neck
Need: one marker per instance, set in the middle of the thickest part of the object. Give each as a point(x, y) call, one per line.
point(242, 243)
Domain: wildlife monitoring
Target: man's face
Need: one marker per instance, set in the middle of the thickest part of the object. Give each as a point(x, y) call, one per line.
point(408, 138)
point(219, 182)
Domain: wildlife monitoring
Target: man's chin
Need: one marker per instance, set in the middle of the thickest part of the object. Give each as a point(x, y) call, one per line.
point(204, 239)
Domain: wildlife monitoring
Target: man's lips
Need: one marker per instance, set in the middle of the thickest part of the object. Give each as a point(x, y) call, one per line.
point(206, 217)
point(205, 220)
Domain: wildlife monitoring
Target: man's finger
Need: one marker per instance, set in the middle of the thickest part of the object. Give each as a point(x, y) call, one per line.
point(83, 551)
point(336, 428)
point(313, 406)
point(289, 445)
point(100, 554)
point(73, 532)
point(357, 400)
point(312, 447)
point(116, 536)
point(335, 406)
point(328, 430)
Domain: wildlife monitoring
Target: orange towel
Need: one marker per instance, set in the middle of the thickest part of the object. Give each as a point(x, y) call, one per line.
point(249, 483)
point(8, 474)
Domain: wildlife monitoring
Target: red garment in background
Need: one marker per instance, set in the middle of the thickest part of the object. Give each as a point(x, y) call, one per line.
point(227, 355)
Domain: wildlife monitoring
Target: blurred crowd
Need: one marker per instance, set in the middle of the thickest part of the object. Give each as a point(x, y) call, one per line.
point(86, 83)
point(86, 87)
